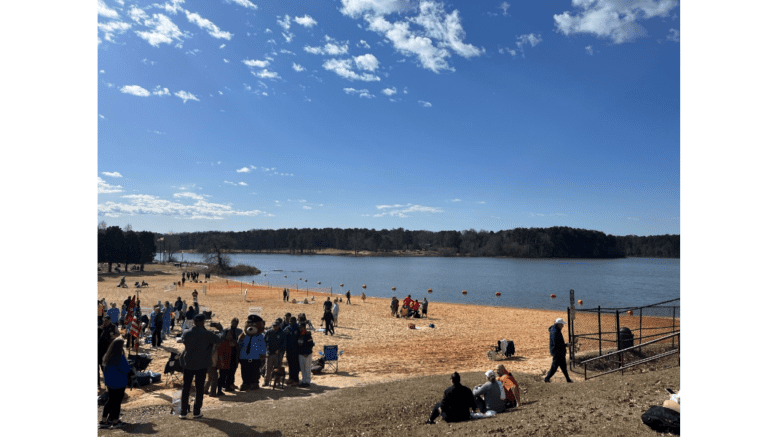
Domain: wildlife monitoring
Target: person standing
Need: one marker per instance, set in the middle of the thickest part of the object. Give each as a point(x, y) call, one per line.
point(211, 383)
point(285, 295)
point(224, 361)
point(558, 349)
point(327, 304)
point(492, 395)
point(335, 312)
point(114, 313)
point(116, 369)
point(156, 338)
point(276, 346)
point(198, 344)
point(105, 335)
point(424, 307)
point(306, 344)
point(457, 401)
point(348, 297)
point(234, 353)
point(328, 319)
point(167, 318)
point(292, 350)
point(394, 306)
point(253, 351)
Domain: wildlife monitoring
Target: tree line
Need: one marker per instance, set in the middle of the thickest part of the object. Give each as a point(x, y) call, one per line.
point(554, 242)
point(115, 245)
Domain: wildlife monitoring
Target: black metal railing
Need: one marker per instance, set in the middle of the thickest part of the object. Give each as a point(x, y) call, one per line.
point(622, 366)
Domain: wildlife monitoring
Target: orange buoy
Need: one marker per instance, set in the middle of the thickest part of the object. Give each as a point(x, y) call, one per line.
point(429, 290)
point(284, 276)
point(630, 312)
point(306, 280)
point(464, 292)
point(393, 288)
point(364, 286)
point(498, 293)
point(319, 282)
point(341, 285)
point(552, 296)
point(579, 302)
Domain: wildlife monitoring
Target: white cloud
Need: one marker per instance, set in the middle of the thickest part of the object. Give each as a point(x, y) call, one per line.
point(389, 91)
point(287, 36)
point(674, 35)
point(248, 169)
point(366, 62)
point(404, 210)
point(616, 20)
point(105, 11)
point(589, 50)
point(528, 39)
point(332, 47)
point(298, 68)
point(344, 68)
point(226, 61)
point(306, 21)
point(244, 3)
point(183, 95)
point(430, 45)
point(189, 195)
point(112, 27)
point(208, 25)
point(135, 90)
point(455, 200)
point(173, 6)
point(230, 183)
point(256, 63)
point(424, 104)
point(266, 74)
point(361, 93)
point(163, 30)
point(138, 15)
point(306, 207)
point(243, 184)
point(114, 174)
point(504, 7)
point(481, 202)
point(101, 116)
point(159, 91)
point(287, 52)
point(222, 46)
point(508, 50)
point(105, 188)
point(267, 31)
point(363, 44)
point(285, 22)
point(144, 204)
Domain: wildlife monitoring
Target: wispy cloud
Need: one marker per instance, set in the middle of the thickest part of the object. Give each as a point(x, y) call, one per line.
point(159, 91)
point(208, 25)
point(332, 48)
point(298, 68)
point(389, 91)
point(424, 104)
point(135, 90)
point(189, 195)
point(527, 40)
point(674, 35)
point(248, 169)
point(615, 20)
point(504, 7)
point(284, 22)
point(144, 204)
point(106, 188)
point(244, 3)
point(306, 21)
point(114, 174)
point(242, 184)
point(104, 11)
point(361, 93)
point(230, 183)
point(111, 28)
point(256, 63)
point(405, 210)
point(306, 207)
point(455, 200)
point(345, 69)
point(184, 95)
point(273, 171)
point(163, 30)
point(363, 44)
point(589, 50)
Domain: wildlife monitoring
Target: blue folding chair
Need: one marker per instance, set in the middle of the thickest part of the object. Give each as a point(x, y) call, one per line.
point(331, 357)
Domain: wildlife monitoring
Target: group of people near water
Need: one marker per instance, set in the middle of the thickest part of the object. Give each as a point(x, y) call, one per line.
point(410, 308)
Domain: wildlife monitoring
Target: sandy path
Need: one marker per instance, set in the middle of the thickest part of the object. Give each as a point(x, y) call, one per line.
point(377, 347)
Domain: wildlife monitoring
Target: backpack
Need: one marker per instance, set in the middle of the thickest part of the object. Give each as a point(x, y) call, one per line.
point(662, 419)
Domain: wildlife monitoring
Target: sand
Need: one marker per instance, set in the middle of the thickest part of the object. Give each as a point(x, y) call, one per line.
point(377, 347)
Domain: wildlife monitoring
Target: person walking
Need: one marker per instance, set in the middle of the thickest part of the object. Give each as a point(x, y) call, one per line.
point(306, 344)
point(292, 350)
point(116, 369)
point(328, 319)
point(335, 312)
point(198, 343)
point(276, 346)
point(457, 401)
point(492, 395)
point(348, 297)
point(285, 295)
point(558, 349)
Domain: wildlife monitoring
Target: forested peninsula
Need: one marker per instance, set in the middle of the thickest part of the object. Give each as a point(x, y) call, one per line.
point(554, 242)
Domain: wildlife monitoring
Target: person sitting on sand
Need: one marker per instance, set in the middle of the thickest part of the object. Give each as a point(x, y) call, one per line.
point(512, 393)
point(492, 395)
point(457, 401)
point(416, 308)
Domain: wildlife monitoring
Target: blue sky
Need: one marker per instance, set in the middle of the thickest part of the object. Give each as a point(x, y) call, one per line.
point(238, 114)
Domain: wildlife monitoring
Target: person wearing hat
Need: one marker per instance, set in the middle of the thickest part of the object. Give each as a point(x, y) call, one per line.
point(253, 351)
point(492, 395)
point(276, 346)
point(457, 401)
point(558, 349)
point(512, 393)
point(198, 343)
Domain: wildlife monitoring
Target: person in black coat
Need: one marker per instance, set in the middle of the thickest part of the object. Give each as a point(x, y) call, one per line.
point(105, 335)
point(457, 401)
point(558, 349)
point(329, 320)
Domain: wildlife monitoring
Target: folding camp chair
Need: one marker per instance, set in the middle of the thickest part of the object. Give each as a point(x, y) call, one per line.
point(331, 356)
point(173, 365)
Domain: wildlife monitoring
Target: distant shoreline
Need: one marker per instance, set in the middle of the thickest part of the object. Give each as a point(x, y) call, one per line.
point(395, 254)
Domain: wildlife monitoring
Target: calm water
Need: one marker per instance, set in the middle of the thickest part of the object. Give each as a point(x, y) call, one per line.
point(522, 283)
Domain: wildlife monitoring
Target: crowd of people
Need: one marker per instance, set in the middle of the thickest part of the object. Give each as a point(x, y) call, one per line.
point(410, 308)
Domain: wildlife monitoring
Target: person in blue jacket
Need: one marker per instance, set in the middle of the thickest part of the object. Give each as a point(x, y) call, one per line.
point(558, 349)
point(116, 369)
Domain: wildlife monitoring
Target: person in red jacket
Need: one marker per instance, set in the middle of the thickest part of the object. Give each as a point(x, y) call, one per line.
point(224, 352)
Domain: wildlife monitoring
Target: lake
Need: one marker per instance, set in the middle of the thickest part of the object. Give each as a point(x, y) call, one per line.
point(523, 283)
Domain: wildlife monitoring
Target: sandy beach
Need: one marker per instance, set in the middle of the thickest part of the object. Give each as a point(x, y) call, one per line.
point(377, 347)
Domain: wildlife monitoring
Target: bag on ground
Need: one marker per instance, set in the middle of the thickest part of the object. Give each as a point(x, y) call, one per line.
point(662, 419)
